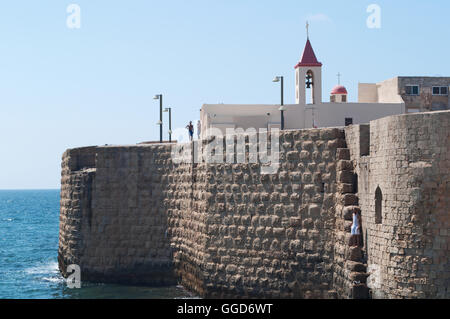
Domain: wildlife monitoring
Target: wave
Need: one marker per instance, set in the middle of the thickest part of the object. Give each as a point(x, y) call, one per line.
point(59, 279)
point(47, 268)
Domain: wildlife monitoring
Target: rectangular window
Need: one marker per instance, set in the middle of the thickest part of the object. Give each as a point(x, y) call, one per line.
point(344, 98)
point(436, 90)
point(412, 89)
point(440, 90)
point(348, 121)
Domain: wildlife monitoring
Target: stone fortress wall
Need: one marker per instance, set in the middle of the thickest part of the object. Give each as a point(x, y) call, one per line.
point(408, 158)
point(129, 214)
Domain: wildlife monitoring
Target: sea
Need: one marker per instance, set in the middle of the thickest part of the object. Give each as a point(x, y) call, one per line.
point(29, 227)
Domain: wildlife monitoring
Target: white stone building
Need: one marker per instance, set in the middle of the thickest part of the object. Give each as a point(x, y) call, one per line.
point(308, 80)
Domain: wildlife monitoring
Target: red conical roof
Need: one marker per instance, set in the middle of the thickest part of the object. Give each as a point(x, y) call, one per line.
point(308, 58)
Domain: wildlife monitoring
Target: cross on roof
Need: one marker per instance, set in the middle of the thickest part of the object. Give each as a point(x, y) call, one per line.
point(307, 29)
point(339, 78)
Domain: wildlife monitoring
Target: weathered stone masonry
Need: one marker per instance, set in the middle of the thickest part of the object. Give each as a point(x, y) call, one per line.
point(131, 215)
point(409, 162)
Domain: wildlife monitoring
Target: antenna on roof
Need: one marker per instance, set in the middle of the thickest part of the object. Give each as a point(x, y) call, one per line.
point(339, 78)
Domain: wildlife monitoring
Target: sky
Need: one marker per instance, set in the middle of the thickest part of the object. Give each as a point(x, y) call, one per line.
point(64, 87)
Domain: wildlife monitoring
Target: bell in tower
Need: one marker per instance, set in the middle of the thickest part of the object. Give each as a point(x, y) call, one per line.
point(309, 80)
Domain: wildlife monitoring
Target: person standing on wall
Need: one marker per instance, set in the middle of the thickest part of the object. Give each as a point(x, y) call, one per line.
point(190, 128)
point(199, 128)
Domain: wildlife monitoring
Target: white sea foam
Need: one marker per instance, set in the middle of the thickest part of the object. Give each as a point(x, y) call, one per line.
point(48, 268)
point(54, 279)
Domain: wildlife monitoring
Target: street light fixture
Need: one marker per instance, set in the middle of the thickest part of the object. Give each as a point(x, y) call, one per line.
point(160, 122)
point(282, 108)
point(169, 109)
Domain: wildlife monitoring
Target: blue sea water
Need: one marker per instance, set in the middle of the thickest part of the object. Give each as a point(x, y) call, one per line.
point(29, 226)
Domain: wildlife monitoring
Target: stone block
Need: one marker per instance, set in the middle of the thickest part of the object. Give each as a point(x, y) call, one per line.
point(345, 177)
point(343, 154)
point(279, 232)
point(344, 165)
point(305, 155)
point(354, 266)
point(348, 200)
point(295, 221)
point(313, 211)
point(292, 156)
point(354, 254)
point(308, 146)
point(343, 188)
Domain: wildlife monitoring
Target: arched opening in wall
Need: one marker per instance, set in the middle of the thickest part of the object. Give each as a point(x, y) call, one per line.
point(378, 206)
point(309, 87)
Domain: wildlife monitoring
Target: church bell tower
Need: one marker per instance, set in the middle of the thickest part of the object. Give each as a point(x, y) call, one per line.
point(308, 75)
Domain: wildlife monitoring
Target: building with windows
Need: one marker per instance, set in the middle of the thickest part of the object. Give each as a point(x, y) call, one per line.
point(419, 93)
point(391, 97)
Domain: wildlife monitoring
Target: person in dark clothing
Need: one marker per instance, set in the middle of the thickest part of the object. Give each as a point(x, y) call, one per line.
point(190, 128)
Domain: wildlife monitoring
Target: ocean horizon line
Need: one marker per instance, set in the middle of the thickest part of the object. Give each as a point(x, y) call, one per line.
point(29, 189)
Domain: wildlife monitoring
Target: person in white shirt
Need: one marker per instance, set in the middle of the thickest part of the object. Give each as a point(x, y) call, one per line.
point(199, 128)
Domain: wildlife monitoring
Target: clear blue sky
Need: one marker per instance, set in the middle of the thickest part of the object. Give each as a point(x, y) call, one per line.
point(62, 88)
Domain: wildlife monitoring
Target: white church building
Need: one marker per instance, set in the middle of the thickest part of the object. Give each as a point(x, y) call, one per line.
point(308, 80)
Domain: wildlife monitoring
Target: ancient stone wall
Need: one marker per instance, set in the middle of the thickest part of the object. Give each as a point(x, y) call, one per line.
point(222, 229)
point(273, 235)
point(408, 244)
point(130, 214)
point(115, 214)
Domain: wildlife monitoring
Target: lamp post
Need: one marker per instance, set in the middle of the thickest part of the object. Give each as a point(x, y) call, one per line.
point(160, 122)
point(169, 109)
point(282, 108)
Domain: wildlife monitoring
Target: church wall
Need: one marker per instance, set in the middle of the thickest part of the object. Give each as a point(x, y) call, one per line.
point(367, 93)
point(334, 114)
point(298, 116)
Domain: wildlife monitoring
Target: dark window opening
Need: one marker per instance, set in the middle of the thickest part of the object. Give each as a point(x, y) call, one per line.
point(378, 206)
point(436, 90)
point(412, 90)
point(355, 183)
point(348, 121)
point(344, 98)
point(440, 90)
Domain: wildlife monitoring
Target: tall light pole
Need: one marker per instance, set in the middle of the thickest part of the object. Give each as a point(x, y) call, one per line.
point(160, 123)
point(169, 109)
point(282, 108)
